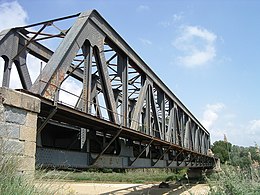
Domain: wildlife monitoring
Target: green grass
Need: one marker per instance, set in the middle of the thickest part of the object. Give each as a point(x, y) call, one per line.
point(129, 176)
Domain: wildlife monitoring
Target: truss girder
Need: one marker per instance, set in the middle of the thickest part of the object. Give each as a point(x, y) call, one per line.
point(134, 95)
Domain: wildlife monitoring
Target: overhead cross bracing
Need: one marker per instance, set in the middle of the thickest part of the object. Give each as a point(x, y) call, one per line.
point(123, 116)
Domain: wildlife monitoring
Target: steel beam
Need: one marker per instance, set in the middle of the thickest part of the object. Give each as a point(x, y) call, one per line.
point(106, 85)
point(107, 146)
point(87, 52)
point(60, 61)
point(123, 73)
point(7, 72)
point(140, 154)
point(50, 115)
point(115, 37)
point(165, 151)
point(161, 103)
point(156, 117)
point(138, 106)
point(174, 159)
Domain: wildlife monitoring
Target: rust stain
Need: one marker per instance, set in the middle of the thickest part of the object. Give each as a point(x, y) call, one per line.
point(54, 84)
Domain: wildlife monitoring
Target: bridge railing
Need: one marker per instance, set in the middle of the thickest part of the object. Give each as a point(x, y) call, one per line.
point(100, 111)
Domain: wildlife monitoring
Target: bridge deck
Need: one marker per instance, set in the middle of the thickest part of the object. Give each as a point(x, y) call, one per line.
point(47, 156)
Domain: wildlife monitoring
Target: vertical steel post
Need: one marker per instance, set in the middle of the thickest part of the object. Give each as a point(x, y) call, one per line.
point(148, 129)
point(7, 72)
point(123, 73)
point(83, 139)
point(161, 102)
point(87, 52)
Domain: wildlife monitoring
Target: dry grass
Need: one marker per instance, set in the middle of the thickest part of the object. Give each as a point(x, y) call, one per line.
point(13, 182)
point(233, 180)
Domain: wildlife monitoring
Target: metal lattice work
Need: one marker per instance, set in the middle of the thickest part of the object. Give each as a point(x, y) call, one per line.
point(122, 110)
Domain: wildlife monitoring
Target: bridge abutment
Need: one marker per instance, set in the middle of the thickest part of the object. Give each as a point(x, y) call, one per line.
point(18, 128)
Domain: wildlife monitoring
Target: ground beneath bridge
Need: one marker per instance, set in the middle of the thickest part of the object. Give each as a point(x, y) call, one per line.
point(131, 189)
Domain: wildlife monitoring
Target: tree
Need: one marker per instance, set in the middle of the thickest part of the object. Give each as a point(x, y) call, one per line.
point(244, 156)
point(222, 150)
point(236, 155)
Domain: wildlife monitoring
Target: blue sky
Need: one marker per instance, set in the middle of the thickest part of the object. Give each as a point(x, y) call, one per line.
point(206, 52)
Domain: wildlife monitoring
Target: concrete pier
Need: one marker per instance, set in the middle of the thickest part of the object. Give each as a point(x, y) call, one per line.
point(18, 127)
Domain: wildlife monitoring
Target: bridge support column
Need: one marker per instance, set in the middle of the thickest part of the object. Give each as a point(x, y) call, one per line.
point(18, 128)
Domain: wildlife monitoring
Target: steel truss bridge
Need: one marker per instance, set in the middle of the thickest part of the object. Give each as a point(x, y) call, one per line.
point(101, 104)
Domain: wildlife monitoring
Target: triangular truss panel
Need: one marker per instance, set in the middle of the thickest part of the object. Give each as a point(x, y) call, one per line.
point(93, 70)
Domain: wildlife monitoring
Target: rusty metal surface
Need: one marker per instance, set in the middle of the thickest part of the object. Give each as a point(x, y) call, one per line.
point(119, 91)
point(72, 116)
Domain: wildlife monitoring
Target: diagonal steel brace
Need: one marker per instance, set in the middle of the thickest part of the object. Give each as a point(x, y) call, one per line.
point(52, 112)
point(132, 162)
point(103, 151)
point(168, 164)
point(154, 163)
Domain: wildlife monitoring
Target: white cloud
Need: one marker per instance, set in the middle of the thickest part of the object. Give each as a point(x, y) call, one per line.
point(74, 87)
point(174, 19)
point(197, 45)
point(246, 133)
point(146, 41)
point(218, 120)
point(177, 17)
point(12, 15)
point(238, 132)
point(253, 127)
point(142, 8)
point(218, 134)
point(211, 114)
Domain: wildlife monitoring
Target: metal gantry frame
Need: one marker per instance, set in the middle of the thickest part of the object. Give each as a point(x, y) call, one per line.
point(117, 86)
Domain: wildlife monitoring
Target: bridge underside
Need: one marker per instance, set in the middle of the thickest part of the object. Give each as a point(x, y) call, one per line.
point(72, 139)
point(102, 106)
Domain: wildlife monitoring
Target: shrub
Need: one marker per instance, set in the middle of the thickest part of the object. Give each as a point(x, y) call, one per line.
point(13, 182)
point(233, 180)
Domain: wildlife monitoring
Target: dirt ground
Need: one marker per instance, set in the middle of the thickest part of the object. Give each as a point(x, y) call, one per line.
point(131, 189)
